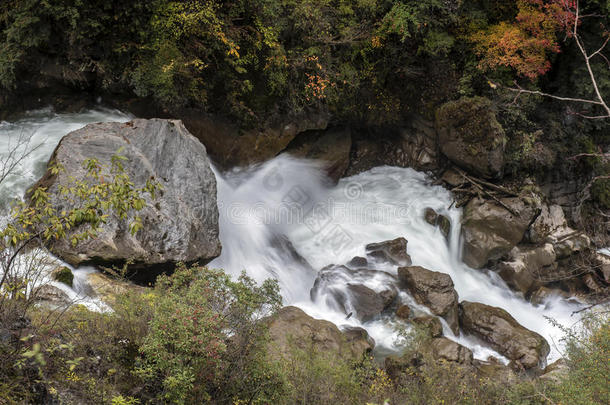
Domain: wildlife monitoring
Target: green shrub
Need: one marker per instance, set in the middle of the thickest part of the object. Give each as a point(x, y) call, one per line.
point(205, 335)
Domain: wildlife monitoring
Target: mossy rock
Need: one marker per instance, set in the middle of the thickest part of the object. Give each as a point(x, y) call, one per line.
point(471, 136)
point(63, 275)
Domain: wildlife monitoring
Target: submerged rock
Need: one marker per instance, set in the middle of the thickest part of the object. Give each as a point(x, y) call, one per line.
point(391, 251)
point(181, 224)
point(291, 327)
point(361, 293)
point(471, 137)
point(434, 290)
point(435, 219)
point(498, 328)
point(490, 231)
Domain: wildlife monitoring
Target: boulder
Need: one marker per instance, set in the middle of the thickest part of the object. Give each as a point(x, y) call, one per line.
point(358, 262)
point(362, 293)
point(490, 231)
point(391, 251)
point(432, 323)
point(505, 335)
point(229, 145)
point(470, 136)
point(446, 349)
point(551, 220)
point(53, 295)
point(526, 268)
point(542, 294)
point(434, 290)
point(180, 225)
point(291, 327)
point(403, 312)
point(550, 226)
point(331, 147)
point(108, 288)
point(494, 371)
point(63, 274)
point(435, 219)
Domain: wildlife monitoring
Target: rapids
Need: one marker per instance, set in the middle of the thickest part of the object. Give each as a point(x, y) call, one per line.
point(283, 219)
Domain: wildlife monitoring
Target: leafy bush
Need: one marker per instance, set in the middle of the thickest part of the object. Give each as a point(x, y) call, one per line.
point(204, 335)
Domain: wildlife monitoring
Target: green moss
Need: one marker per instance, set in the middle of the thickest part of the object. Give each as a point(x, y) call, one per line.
point(64, 275)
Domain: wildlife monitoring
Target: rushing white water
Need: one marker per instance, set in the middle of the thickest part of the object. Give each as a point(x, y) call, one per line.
point(30, 141)
point(331, 225)
point(25, 148)
point(275, 214)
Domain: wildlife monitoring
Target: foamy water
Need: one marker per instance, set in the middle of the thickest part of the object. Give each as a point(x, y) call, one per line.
point(274, 215)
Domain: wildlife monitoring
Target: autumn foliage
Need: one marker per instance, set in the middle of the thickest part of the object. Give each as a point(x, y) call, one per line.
point(526, 43)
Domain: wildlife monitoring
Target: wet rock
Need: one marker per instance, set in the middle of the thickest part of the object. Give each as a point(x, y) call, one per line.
point(182, 222)
point(470, 136)
point(430, 216)
point(63, 274)
point(232, 146)
point(362, 293)
point(358, 337)
point(542, 294)
point(391, 251)
point(292, 327)
point(490, 231)
point(432, 323)
point(358, 262)
point(446, 349)
point(498, 328)
point(435, 219)
point(526, 268)
point(434, 290)
point(331, 147)
point(403, 312)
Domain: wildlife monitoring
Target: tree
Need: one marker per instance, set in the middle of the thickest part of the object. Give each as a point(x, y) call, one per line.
point(37, 220)
point(525, 44)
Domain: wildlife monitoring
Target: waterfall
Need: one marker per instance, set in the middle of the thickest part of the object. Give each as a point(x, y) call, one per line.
point(283, 219)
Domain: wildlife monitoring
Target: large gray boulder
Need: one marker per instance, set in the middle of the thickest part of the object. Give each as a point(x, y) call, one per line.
point(498, 328)
point(434, 290)
point(490, 231)
point(180, 225)
point(471, 137)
